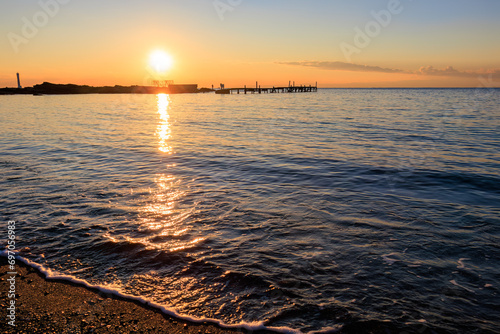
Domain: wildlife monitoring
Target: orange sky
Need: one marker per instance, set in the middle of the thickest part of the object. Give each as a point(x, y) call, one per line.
point(338, 44)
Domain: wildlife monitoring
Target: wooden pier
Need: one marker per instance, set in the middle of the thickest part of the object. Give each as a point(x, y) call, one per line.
point(291, 88)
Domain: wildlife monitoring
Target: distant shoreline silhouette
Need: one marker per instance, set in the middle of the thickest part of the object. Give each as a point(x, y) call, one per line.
point(48, 88)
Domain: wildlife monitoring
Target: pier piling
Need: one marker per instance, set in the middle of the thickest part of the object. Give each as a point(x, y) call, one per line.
point(275, 89)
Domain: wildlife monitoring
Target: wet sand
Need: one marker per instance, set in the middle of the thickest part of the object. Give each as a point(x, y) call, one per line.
point(52, 306)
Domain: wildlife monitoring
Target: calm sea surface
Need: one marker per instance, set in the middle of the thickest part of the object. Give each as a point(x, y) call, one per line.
point(308, 211)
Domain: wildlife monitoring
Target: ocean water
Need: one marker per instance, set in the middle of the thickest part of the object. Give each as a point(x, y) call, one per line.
point(310, 212)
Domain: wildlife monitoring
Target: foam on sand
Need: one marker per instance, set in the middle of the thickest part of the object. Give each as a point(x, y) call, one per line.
point(53, 275)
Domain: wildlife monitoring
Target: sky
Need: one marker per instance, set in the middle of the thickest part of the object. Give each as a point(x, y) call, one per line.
point(364, 43)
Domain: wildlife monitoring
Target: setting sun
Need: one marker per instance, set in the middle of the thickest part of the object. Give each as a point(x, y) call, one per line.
point(160, 61)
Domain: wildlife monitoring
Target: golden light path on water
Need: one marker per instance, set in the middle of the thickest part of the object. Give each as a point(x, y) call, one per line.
point(163, 224)
point(164, 132)
point(169, 223)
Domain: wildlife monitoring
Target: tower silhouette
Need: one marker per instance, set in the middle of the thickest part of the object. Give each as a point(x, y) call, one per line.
point(18, 81)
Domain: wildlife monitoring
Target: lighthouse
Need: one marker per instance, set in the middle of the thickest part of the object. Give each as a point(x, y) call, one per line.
point(18, 81)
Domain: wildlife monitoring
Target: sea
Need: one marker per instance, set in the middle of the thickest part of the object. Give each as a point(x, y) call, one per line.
point(299, 213)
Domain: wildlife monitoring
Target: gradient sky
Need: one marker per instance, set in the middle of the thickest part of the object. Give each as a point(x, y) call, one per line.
point(451, 43)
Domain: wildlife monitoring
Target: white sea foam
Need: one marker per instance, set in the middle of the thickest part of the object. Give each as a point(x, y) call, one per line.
point(53, 275)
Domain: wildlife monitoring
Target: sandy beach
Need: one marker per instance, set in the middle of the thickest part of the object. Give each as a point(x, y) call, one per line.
point(54, 306)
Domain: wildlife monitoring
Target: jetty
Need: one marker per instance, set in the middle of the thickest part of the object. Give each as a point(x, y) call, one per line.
point(291, 88)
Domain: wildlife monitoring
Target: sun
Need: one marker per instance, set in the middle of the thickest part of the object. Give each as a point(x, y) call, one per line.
point(160, 61)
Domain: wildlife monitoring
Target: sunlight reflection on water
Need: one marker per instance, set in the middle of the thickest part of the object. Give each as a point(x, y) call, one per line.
point(164, 132)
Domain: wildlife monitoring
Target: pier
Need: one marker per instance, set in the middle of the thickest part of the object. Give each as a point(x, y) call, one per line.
point(291, 88)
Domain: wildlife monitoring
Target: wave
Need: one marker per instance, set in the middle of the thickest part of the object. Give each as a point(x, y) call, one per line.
point(49, 274)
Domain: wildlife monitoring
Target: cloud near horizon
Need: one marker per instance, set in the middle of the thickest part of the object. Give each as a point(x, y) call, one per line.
point(424, 70)
point(452, 72)
point(341, 66)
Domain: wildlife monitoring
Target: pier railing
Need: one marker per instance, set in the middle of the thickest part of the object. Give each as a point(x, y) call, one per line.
point(269, 90)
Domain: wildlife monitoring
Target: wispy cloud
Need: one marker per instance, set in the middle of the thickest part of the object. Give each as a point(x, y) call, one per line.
point(452, 72)
point(342, 66)
point(424, 70)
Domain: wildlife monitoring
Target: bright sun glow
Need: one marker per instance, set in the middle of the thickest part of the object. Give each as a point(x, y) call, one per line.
point(160, 61)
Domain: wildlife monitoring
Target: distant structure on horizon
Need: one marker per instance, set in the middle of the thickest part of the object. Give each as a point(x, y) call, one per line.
point(163, 83)
point(18, 81)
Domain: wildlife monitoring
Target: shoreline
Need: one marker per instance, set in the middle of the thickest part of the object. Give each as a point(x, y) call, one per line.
point(60, 306)
point(57, 305)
